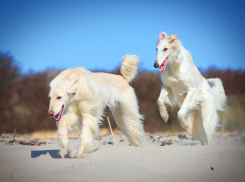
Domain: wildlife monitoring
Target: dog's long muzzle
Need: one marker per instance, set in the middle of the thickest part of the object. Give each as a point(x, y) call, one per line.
point(156, 65)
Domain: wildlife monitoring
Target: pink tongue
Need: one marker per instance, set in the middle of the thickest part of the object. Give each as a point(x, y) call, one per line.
point(162, 67)
point(58, 116)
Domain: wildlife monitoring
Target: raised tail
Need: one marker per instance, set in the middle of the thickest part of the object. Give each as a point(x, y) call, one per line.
point(219, 92)
point(129, 68)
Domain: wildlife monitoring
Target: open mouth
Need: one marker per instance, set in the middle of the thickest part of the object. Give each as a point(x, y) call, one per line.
point(58, 116)
point(162, 67)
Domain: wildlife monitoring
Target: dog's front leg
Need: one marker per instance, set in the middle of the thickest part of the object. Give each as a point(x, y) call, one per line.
point(161, 104)
point(86, 134)
point(62, 131)
point(184, 108)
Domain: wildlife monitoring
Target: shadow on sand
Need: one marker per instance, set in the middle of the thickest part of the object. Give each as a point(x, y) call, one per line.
point(70, 153)
point(53, 153)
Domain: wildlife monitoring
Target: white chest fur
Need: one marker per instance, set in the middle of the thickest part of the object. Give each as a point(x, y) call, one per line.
point(174, 79)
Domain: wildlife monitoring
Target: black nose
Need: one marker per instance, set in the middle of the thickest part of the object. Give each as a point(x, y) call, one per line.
point(156, 65)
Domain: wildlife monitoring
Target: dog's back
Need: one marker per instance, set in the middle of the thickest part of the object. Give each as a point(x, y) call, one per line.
point(113, 85)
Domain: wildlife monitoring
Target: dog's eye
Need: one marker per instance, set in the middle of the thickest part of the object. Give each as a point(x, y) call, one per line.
point(165, 49)
point(58, 98)
point(49, 98)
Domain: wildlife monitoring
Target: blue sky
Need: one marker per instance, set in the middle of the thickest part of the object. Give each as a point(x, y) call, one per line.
point(96, 34)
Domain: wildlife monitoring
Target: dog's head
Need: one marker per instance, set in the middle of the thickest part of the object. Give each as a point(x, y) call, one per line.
point(63, 90)
point(165, 48)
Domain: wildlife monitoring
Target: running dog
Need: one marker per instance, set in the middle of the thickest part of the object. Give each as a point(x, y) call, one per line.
point(84, 95)
point(198, 98)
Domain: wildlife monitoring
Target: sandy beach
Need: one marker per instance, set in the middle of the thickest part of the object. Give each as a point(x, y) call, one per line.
point(164, 158)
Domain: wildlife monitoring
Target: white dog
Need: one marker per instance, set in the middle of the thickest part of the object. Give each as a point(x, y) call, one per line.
point(84, 95)
point(199, 99)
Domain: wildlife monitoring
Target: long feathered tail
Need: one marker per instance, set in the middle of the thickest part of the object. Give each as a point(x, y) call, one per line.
point(127, 116)
point(129, 68)
point(219, 92)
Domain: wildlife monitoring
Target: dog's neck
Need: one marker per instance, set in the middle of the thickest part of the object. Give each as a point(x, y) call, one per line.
point(176, 58)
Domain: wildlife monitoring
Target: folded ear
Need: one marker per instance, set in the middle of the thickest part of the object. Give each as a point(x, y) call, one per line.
point(172, 38)
point(72, 87)
point(72, 80)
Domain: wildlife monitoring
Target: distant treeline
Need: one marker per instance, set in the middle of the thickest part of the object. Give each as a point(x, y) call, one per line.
point(24, 98)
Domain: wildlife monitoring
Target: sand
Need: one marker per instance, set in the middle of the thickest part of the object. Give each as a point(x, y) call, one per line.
point(54, 133)
point(164, 158)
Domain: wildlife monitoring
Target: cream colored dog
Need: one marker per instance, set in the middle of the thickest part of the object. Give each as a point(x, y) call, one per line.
point(84, 95)
point(199, 99)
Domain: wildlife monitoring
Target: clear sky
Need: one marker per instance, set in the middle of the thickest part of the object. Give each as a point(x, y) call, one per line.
point(44, 34)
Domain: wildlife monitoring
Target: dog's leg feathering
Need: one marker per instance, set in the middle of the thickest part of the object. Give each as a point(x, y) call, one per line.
point(62, 131)
point(209, 118)
point(132, 120)
point(88, 128)
point(64, 126)
point(117, 114)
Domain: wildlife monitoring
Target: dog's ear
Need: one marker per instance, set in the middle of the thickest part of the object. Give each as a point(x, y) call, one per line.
point(163, 35)
point(72, 87)
point(172, 38)
point(71, 90)
point(72, 80)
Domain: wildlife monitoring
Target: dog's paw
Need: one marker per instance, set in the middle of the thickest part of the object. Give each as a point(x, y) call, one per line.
point(165, 117)
point(181, 117)
point(92, 147)
point(183, 124)
point(78, 155)
point(63, 142)
point(185, 127)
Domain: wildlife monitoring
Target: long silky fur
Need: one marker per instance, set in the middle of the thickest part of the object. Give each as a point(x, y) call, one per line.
point(88, 95)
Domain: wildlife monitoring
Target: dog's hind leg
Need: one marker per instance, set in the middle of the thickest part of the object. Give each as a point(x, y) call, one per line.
point(209, 119)
point(117, 114)
point(132, 120)
point(195, 129)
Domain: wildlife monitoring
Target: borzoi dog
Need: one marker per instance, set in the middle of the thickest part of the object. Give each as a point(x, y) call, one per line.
point(84, 95)
point(198, 98)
